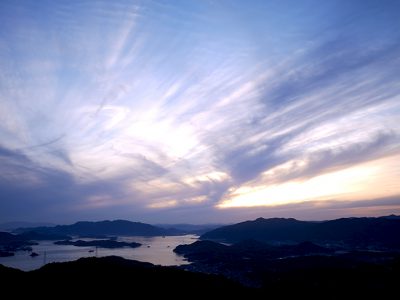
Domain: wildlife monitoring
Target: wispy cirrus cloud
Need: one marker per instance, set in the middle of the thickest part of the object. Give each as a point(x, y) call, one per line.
point(151, 110)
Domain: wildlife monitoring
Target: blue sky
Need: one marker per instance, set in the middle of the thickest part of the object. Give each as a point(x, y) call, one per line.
point(198, 111)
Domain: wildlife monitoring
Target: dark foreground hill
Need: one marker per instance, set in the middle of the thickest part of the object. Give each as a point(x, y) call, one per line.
point(113, 277)
point(310, 277)
point(373, 233)
point(250, 250)
point(95, 229)
point(303, 271)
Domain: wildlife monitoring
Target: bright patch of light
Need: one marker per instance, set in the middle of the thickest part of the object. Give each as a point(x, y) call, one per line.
point(347, 184)
point(164, 204)
point(212, 176)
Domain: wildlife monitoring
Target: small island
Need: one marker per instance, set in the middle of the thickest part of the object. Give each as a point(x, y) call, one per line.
point(111, 244)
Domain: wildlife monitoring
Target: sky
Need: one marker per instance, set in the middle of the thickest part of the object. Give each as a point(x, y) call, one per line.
point(199, 111)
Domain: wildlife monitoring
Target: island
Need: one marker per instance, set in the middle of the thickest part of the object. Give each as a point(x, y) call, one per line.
point(111, 244)
point(379, 234)
point(103, 228)
point(10, 243)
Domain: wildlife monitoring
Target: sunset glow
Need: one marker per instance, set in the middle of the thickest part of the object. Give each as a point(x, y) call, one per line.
point(188, 111)
point(377, 179)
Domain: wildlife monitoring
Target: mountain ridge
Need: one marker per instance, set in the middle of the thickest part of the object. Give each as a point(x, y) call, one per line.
point(355, 232)
point(106, 227)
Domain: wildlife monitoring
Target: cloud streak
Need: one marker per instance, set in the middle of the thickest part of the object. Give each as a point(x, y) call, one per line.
point(150, 111)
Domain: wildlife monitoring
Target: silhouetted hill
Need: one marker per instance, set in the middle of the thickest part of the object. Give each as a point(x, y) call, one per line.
point(350, 232)
point(201, 246)
point(309, 277)
point(269, 230)
point(118, 227)
point(190, 228)
point(37, 236)
point(99, 243)
point(303, 248)
point(9, 272)
point(302, 270)
point(250, 250)
point(11, 242)
point(202, 250)
point(391, 217)
point(116, 278)
point(6, 238)
point(9, 226)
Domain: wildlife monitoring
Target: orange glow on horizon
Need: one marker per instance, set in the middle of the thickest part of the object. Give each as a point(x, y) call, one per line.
point(365, 181)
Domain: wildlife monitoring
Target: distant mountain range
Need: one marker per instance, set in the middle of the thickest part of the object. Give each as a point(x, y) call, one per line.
point(191, 228)
point(371, 233)
point(117, 228)
point(382, 232)
point(278, 258)
point(8, 226)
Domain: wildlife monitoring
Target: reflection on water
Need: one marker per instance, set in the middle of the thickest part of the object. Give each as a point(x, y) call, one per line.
point(157, 250)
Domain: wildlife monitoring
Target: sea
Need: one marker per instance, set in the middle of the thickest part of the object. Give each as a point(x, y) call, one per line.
point(156, 250)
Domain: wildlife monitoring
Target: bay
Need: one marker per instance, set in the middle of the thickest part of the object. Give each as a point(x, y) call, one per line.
point(156, 250)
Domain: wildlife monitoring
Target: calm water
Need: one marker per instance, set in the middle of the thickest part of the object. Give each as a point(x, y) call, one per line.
point(156, 250)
